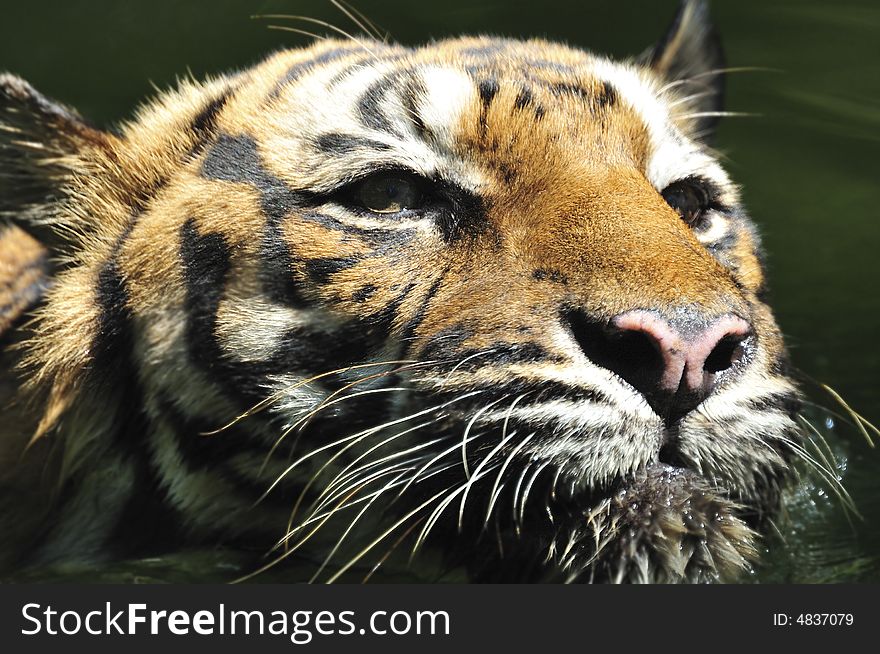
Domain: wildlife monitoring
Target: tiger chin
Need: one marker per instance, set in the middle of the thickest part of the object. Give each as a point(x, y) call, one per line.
point(487, 305)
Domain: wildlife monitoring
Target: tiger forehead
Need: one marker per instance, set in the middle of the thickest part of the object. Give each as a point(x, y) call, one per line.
point(452, 94)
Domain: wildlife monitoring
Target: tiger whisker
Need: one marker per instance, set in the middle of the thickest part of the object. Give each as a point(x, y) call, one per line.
point(528, 489)
point(431, 462)
point(826, 473)
point(382, 537)
point(262, 404)
point(292, 428)
point(288, 552)
point(477, 470)
point(516, 491)
point(321, 23)
point(462, 362)
point(402, 537)
point(352, 524)
point(716, 71)
point(369, 477)
point(359, 19)
point(294, 30)
point(496, 488)
point(554, 483)
point(364, 435)
point(342, 507)
point(720, 114)
point(825, 409)
point(467, 430)
point(360, 434)
point(327, 401)
point(342, 478)
point(510, 412)
point(436, 513)
point(688, 98)
point(862, 423)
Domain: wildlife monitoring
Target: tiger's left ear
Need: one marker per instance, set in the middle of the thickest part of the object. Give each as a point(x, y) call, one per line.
point(43, 145)
point(690, 58)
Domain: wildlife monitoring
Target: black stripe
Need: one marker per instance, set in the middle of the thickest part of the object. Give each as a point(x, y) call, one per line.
point(114, 339)
point(409, 94)
point(236, 159)
point(597, 99)
point(788, 403)
point(277, 272)
point(567, 88)
point(510, 353)
point(364, 293)
point(308, 349)
point(488, 89)
point(382, 322)
point(445, 343)
point(467, 215)
point(320, 270)
point(206, 263)
point(296, 71)
point(204, 123)
point(336, 143)
point(147, 523)
point(524, 99)
point(607, 96)
point(409, 329)
point(550, 274)
point(369, 104)
point(213, 454)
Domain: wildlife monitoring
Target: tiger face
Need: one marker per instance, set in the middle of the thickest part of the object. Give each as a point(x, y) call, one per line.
point(492, 298)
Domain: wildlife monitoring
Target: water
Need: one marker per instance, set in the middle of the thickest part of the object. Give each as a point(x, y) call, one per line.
point(808, 164)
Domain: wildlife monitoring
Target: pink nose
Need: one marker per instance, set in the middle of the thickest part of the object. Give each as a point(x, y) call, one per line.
point(673, 360)
point(691, 359)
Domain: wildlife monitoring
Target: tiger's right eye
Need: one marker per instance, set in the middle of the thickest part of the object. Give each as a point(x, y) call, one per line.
point(388, 193)
point(690, 198)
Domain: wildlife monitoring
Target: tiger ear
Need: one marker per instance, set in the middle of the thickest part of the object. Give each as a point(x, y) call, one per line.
point(690, 56)
point(42, 144)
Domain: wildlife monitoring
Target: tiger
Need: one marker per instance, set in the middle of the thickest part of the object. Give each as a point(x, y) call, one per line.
point(487, 305)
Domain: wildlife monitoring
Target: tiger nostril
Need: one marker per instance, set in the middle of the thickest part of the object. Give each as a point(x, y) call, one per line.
point(632, 355)
point(722, 357)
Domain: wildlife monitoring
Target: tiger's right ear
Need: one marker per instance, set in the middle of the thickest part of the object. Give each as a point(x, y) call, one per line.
point(42, 144)
point(689, 57)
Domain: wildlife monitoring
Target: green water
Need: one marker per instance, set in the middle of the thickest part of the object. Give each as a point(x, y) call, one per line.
point(807, 161)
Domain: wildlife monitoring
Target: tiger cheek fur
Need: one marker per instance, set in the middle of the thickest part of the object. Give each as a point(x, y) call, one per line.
point(488, 297)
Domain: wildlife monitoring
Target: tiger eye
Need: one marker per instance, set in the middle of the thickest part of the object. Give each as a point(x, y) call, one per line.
point(388, 194)
point(689, 198)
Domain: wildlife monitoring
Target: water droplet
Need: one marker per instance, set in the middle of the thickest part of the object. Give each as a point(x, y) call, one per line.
point(829, 422)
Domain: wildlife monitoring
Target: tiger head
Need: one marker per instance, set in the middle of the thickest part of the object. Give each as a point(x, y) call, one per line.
point(492, 298)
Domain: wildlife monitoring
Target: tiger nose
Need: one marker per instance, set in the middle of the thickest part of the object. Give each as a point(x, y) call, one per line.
point(675, 363)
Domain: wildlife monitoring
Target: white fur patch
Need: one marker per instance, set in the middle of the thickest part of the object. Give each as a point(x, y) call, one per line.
point(251, 328)
point(448, 93)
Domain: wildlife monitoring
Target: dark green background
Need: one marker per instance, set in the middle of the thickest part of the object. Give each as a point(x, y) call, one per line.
point(808, 162)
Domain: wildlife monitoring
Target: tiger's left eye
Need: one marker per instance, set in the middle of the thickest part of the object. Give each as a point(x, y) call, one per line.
point(388, 193)
point(690, 198)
